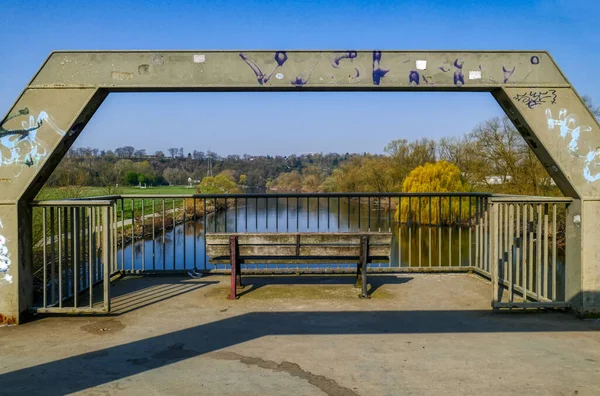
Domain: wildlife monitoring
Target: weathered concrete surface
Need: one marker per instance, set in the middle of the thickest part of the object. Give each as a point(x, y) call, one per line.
point(419, 334)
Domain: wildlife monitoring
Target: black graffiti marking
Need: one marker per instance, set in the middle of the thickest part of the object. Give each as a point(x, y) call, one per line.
point(535, 98)
point(23, 132)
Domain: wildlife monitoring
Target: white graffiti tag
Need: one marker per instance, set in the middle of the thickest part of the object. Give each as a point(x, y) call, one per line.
point(22, 146)
point(4, 259)
point(570, 130)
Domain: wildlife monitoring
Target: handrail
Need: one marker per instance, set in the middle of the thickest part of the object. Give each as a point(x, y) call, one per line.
point(72, 203)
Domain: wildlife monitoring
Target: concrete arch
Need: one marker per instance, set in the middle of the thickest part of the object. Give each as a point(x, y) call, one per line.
point(70, 86)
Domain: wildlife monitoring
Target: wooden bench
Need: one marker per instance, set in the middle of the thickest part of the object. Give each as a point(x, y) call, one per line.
point(267, 248)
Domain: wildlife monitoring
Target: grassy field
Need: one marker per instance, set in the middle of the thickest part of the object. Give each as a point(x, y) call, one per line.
point(82, 192)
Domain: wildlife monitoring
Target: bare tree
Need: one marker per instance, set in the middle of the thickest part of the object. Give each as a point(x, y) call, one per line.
point(595, 110)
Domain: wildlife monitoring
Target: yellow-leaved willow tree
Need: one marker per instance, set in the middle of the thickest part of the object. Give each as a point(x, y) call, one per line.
point(438, 177)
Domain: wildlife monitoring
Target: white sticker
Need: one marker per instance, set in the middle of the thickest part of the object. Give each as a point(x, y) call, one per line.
point(279, 76)
point(421, 64)
point(199, 58)
point(474, 74)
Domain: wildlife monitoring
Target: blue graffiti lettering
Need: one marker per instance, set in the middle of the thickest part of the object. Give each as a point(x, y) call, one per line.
point(378, 72)
point(507, 73)
point(459, 77)
point(280, 57)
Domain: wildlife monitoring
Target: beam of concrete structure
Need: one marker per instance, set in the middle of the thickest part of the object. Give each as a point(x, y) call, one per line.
point(70, 86)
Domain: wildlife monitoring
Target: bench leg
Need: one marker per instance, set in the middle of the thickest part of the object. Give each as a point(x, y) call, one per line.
point(358, 283)
point(238, 273)
point(233, 249)
point(364, 252)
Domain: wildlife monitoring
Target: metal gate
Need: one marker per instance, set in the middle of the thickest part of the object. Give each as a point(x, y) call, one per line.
point(527, 251)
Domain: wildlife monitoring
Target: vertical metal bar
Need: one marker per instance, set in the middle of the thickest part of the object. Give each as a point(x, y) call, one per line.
point(277, 214)
point(143, 236)
point(328, 213)
point(449, 231)
point(106, 256)
point(546, 264)
point(531, 226)
point(339, 224)
point(164, 245)
point(359, 207)
point(420, 222)
point(153, 236)
point(204, 227)
point(389, 214)
point(500, 226)
point(122, 233)
point(470, 225)
point(215, 214)
point(195, 235)
point(225, 215)
point(538, 245)
point(379, 214)
point(460, 231)
point(132, 234)
point(287, 214)
point(439, 225)
point(506, 242)
point(256, 214)
point(307, 213)
point(297, 214)
point(477, 252)
point(90, 262)
point(511, 236)
point(495, 226)
point(174, 236)
point(349, 199)
point(486, 235)
point(183, 236)
point(554, 230)
point(60, 256)
point(52, 258)
point(524, 245)
point(517, 272)
point(44, 260)
point(400, 231)
point(246, 214)
point(318, 213)
point(75, 256)
point(429, 221)
point(267, 213)
point(409, 221)
point(369, 213)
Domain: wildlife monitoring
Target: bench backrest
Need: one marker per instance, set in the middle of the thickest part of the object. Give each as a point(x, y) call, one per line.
point(299, 245)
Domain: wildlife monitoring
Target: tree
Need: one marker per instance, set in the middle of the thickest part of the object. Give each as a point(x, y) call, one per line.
point(159, 154)
point(439, 177)
point(139, 153)
point(131, 178)
point(242, 180)
point(595, 110)
point(173, 152)
point(220, 184)
point(406, 156)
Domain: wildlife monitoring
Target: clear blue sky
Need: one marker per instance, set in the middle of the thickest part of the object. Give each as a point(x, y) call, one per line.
point(234, 123)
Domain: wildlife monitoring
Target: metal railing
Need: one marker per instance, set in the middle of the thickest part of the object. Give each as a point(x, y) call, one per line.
point(517, 242)
point(432, 232)
point(74, 259)
point(527, 246)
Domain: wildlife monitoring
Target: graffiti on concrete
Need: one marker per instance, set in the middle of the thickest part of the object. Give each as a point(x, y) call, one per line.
point(280, 58)
point(378, 72)
point(22, 146)
point(578, 147)
point(508, 73)
point(4, 258)
point(535, 98)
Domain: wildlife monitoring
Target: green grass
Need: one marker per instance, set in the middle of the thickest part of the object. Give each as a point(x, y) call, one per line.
point(83, 192)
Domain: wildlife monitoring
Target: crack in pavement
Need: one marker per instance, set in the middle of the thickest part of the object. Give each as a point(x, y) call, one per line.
point(327, 385)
